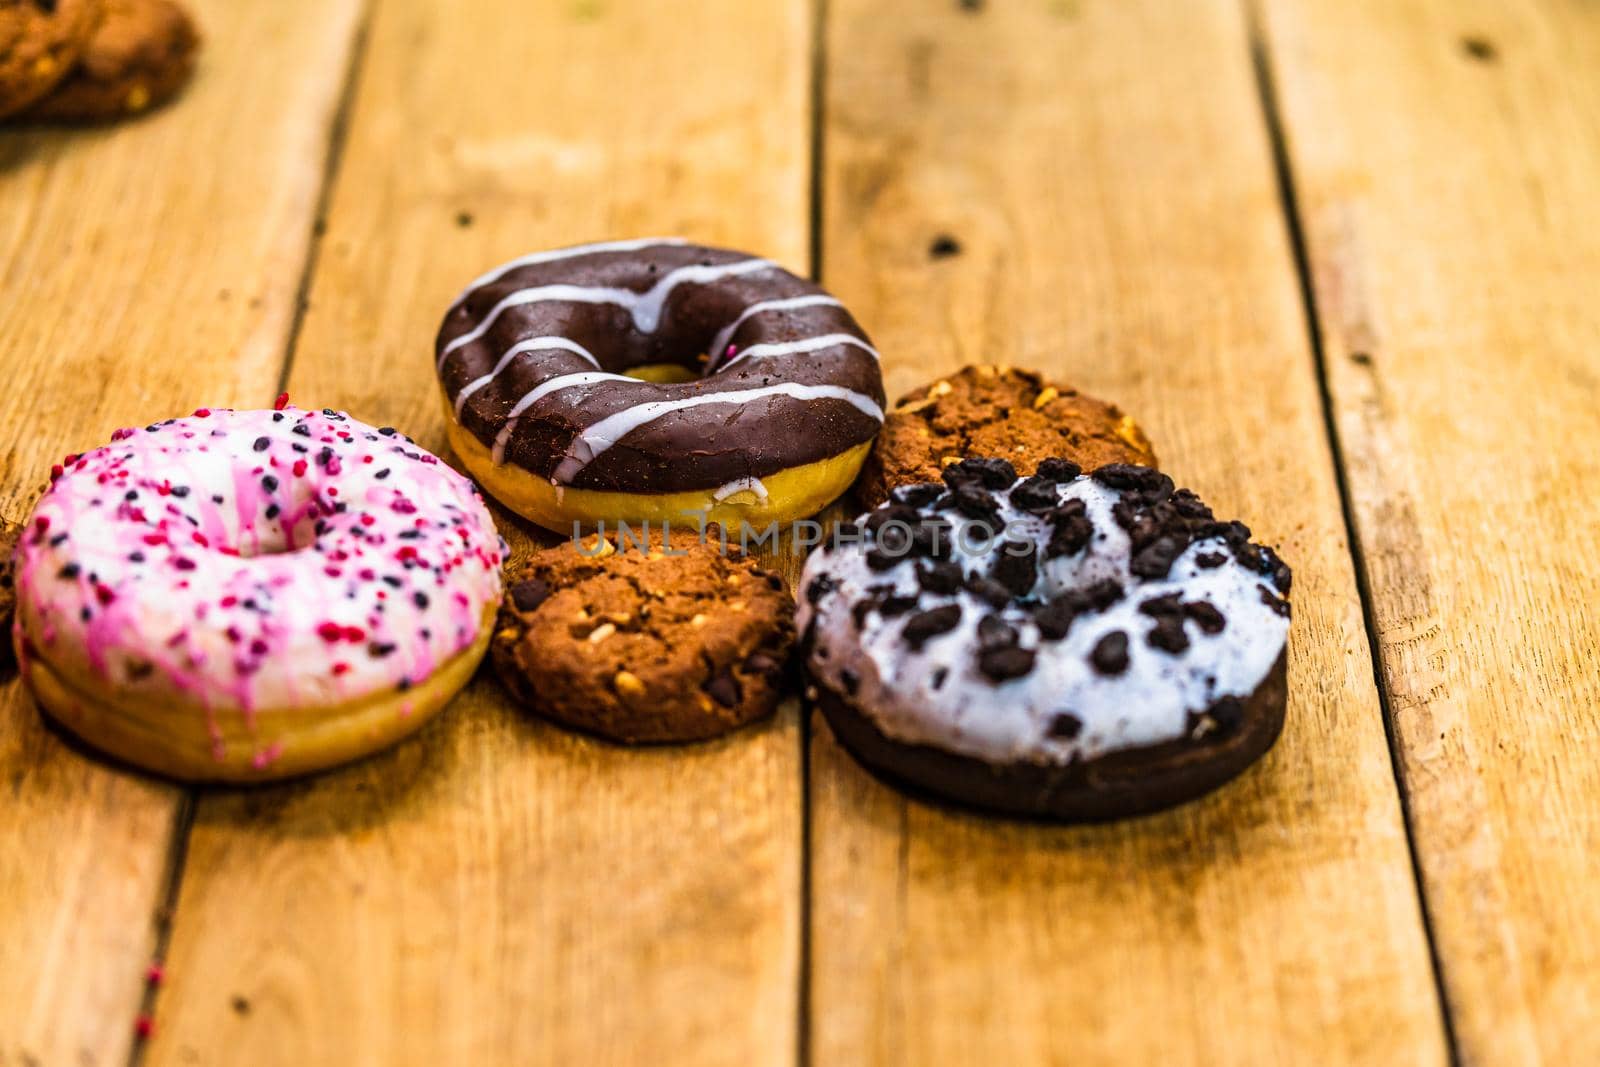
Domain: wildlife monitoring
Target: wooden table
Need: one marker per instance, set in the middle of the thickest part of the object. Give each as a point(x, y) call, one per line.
point(1340, 257)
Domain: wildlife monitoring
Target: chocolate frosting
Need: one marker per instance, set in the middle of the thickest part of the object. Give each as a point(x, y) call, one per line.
point(534, 356)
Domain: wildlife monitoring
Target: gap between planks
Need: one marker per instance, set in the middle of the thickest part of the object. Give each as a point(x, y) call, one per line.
point(1272, 118)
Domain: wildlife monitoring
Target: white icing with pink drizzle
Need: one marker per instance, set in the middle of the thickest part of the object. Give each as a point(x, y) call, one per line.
point(251, 560)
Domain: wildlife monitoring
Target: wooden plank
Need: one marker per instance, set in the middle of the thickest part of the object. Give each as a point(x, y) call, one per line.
point(1105, 171)
point(139, 278)
point(498, 891)
point(1446, 160)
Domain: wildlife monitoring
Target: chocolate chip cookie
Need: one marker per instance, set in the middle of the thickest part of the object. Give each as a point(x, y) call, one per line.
point(39, 42)
point(675, 640)
point(141, 55)
point(1003, 412)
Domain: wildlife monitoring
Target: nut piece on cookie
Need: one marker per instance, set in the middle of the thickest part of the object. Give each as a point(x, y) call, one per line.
point(1002, 412)
point(141, 55)
point(678, 642)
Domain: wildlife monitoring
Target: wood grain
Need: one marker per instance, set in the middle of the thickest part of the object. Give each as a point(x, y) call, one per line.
point(1105, 172)
point(145, 269)
point(1446, 157)
point(497, 891)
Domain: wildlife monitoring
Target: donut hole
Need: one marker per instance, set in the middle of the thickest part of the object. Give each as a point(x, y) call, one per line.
point(662, 373)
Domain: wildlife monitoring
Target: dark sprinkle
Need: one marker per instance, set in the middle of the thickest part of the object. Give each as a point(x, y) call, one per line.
point(1110, 654)
point(927, 624)
point(381, 475)
point(420, 599)
point(269, 483)
point(262, 444)
point(938, 677)
point(1065, 726)
point(272, 511)
point(302, 429)
point(71, 570)
point(944, 246)
point(180, 491)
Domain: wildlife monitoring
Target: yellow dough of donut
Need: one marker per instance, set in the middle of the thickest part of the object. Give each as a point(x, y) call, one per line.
point(790, 494)
point(174, 739)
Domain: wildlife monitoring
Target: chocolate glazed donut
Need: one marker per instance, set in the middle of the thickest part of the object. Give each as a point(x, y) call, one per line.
point(657, 379)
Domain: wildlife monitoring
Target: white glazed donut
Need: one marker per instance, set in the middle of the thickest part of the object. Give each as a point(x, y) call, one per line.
point(247, 595)
point(1059, 646)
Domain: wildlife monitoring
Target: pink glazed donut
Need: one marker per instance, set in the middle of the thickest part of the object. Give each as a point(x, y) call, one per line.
point(248, 595)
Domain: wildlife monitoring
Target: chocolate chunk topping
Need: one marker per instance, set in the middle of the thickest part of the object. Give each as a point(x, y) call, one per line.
point(1155, 559)
point(1070, 529)
point(1168, 634)
point(723, 687)
point(917, 496)
point(988, 473)
point(1056, 469)
point(1210, 560)
point(1273, 601)
point(819, 587)
point(938, 677)
point(1002, 664)
point(1205, 613)
point(988, 590)
point(1034, 495)
point(1147, 483)
point(1016, 567)
point(974, 502)
point(940, 577)
point(926, 624)
point(527, 596)
point(1110, 655)
point(904, 515)
point(994, 632)
point(1065, 726)
point(1163, 606)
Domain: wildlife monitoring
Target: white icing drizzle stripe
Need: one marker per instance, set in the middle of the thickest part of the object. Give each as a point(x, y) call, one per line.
point(645, 307)
point(544, 389)
point(532, 344)
point(742, 485)
point(632, 245)
point(808, 344)
point(608, 431)
point(719, 344)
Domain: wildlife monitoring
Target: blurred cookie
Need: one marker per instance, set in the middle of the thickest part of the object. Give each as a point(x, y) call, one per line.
point(642, 645)
point(1000, 412)
point(141, 55)
point(39, 42)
